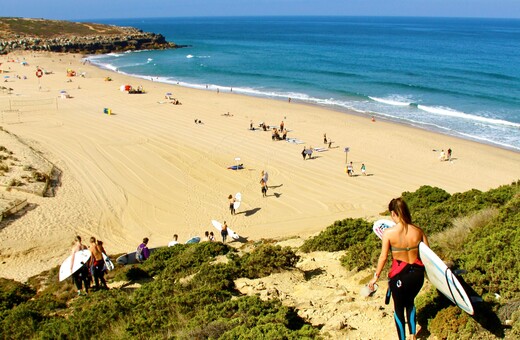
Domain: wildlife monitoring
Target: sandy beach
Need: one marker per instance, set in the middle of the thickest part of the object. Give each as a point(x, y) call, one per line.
point(148, 170)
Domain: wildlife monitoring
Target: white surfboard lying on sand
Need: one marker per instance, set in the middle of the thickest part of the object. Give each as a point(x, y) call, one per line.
point(218, 226)
point(238, 200)
point(438, 273)
point(80, 258)
point(130, 257)
point(294, 141)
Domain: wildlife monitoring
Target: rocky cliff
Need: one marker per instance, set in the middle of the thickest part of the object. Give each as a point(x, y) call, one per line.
point(73, 37)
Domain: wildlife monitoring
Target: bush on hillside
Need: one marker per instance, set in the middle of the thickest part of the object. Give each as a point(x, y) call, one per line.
point(490, 255)
point(267, 259)
point(362, 255)
point(339, 236)
point(12, 293)
point(453, 323)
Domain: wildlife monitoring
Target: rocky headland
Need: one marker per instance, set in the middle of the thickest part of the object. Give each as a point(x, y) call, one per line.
point(75, 37)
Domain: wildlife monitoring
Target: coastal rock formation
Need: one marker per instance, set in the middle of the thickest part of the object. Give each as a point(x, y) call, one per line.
point(73, 37)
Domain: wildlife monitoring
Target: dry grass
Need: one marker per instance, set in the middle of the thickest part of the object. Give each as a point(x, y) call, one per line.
point(452, 240)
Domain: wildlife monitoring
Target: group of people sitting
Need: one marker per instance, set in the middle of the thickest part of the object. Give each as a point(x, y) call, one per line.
point(279, 134)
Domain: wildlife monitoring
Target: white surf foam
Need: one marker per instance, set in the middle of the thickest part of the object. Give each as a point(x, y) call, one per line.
point(391, 101)
point(443, 111)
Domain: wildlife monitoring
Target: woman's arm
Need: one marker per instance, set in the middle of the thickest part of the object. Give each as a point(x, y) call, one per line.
point(385, 248)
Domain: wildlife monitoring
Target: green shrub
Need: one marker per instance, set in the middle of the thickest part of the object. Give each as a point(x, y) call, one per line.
point(267, 259)
point(453, 323)
point(339, 236)
point(490, 254)
point(131, 273)
point(362, 255)
point(12, 293)
point(21, 322)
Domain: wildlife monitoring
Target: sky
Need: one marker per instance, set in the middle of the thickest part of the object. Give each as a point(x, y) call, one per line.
point(112, 9)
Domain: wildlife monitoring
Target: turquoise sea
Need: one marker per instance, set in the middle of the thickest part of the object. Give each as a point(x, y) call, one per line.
point(456, 76)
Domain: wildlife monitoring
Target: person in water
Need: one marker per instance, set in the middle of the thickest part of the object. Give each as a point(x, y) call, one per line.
point(406, 276)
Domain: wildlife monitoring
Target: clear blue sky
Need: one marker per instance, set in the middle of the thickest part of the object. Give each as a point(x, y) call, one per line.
point(97, 9)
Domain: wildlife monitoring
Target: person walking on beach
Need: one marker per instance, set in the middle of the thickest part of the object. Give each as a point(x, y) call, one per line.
point(406, 276)
point(281, 125)
point(350, 169)
point(142, 252)
point(224, 232)
point(97, 264)
point(231, 204)
point(81, 276)
point(265, 176)
point(324, 138)
point(304, 152)
point(448, 155)
point(263, 185)
point(363, 169)
point(309, 152)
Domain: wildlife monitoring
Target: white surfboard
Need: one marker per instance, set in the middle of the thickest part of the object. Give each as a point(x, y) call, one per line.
point(218, 226)
point(80, 258)
point(438, 273)
point(380, 226)
point(444, 280)
point(238, 200)
point(108, 263)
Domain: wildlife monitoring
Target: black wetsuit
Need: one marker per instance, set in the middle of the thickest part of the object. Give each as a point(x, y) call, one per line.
point(404, 287)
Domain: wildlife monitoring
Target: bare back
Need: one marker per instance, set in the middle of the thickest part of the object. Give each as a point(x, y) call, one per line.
point(96, 253)
point(404, 241)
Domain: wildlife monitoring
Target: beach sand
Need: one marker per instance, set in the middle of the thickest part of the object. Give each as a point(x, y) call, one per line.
point(148, 170)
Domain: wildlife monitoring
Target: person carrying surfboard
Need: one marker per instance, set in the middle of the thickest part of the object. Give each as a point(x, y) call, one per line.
point(406, 275)
point(80, 277)
point(97, 264)
point(231, 204)
point(224, 232)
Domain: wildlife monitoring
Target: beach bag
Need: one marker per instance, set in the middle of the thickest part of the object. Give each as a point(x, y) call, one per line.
point(139, 254)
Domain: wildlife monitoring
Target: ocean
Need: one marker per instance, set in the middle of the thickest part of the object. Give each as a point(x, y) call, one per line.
point(451, 75)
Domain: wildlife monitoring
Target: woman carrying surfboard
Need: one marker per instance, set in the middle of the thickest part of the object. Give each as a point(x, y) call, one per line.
point(406, 276)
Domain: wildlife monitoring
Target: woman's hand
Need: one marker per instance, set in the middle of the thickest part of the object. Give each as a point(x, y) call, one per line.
point(372, 282)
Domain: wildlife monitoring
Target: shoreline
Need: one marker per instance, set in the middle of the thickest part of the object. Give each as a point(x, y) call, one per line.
point(149, 170)
point(331, 107)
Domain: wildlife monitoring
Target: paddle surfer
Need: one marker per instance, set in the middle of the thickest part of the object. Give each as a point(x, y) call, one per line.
point(406, 276)
point(81, 276)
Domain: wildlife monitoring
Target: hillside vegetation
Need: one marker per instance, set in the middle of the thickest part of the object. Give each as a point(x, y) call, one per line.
point(188, 291)
point(42, 28)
